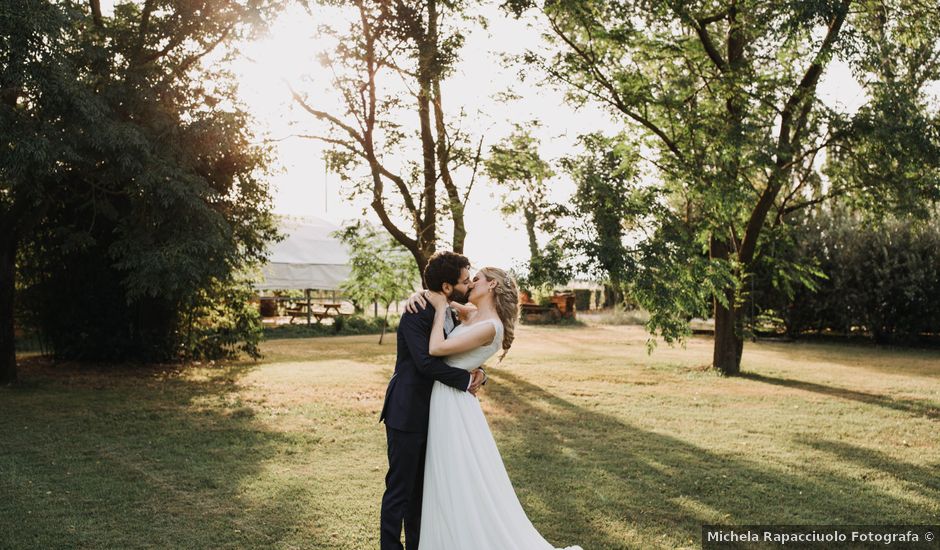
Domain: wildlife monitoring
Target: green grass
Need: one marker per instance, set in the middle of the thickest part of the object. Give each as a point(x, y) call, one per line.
point(608, 447)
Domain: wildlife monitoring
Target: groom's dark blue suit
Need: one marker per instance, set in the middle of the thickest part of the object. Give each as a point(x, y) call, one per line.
point(405, 412)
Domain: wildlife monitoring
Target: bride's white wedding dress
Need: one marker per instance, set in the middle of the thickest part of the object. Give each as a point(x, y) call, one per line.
point(469, 502)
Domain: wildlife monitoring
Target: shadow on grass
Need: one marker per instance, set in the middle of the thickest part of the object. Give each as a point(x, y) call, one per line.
point(591, 479)
point(881, 359)
point(923, 479)
point(912, 407)
point(145, 458)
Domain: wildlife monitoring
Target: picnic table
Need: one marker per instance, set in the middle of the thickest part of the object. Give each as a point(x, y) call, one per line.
point(307, 309)
point(335, 307)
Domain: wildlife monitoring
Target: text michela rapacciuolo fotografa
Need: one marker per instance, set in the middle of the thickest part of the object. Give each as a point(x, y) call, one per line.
point(811, 536)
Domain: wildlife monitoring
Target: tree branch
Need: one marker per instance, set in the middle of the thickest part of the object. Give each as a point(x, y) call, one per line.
point(473, 176)
point(144, 24)
point(615, 100)
point(443, 159)
point(189, 61)
point(96, 13)
point(702, 31)
point(784, 141)
point(323, 115)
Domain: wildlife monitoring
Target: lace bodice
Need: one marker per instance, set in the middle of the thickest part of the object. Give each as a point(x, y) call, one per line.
point(473, 358)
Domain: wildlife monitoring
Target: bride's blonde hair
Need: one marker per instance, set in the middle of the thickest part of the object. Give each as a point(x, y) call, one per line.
point(506, 299)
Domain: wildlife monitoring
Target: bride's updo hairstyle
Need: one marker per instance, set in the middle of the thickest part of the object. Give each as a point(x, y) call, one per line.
point(506, 299)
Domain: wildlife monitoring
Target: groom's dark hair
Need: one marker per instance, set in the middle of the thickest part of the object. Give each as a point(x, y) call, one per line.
point(444, 267)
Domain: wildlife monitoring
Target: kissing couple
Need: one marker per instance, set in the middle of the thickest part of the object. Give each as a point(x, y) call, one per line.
point(446, 480)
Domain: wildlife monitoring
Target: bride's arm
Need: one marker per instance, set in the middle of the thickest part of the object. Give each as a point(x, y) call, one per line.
point(464, 311)
point(473, 337)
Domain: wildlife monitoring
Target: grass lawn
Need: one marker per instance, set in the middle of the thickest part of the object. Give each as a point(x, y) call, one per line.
point(608, 447)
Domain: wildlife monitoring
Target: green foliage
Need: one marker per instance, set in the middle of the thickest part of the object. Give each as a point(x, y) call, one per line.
point(607, 203)
point(382, 270)
point(222, 323)
point(722, 97)
point(346, 325)
point(515, 164)
point(135, 230)
point(892, 155)
point(675, 281)
point(551, 267)
point(874, 277)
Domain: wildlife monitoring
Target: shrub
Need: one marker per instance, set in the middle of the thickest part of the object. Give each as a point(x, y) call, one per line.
point(878, 277)
point(347, 325)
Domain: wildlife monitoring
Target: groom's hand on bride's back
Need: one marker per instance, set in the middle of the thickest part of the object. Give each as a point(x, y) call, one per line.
point(415, 302)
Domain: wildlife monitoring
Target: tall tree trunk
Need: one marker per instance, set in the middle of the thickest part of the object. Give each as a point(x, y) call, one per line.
point(611, 295)
point(384, 323)
point(729, 342)
point(422, 260)
point(455, 205)
point(7, 291)
point(614, 296)
point(530, 220)
point(427, 52)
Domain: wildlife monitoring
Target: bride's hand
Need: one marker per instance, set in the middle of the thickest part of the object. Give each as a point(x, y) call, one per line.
point(477, 377)
point(437, 299)
point(416, 302)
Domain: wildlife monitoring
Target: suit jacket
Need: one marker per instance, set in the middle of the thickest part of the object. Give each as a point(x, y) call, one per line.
point(408, 397)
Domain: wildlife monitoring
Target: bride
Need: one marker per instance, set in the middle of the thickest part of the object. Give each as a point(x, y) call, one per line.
point(465, 481)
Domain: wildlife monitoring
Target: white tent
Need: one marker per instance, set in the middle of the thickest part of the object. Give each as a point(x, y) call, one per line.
point(307, 258)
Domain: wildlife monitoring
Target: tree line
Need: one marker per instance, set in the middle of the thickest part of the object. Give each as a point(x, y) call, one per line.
point(724, 140)
point(724, 97)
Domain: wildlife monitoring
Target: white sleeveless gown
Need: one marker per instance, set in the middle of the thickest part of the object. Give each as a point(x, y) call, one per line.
point(469, 502)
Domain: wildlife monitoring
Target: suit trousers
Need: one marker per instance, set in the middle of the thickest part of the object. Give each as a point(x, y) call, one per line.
point(404, 485)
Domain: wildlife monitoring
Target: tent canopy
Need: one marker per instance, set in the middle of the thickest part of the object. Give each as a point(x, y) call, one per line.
point(308, 257)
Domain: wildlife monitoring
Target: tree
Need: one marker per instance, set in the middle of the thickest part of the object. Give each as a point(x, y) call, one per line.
point(32, 55)
point(726, 95)
point(607, 202)
point(382, 270)
point(119, 233)
point(878, 275)
point(515, 164)
point(389, 65)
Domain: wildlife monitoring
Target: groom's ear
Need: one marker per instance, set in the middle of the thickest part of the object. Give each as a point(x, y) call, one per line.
point(447, 289)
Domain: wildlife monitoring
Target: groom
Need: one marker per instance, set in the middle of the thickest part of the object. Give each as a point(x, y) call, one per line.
point(408, 400)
